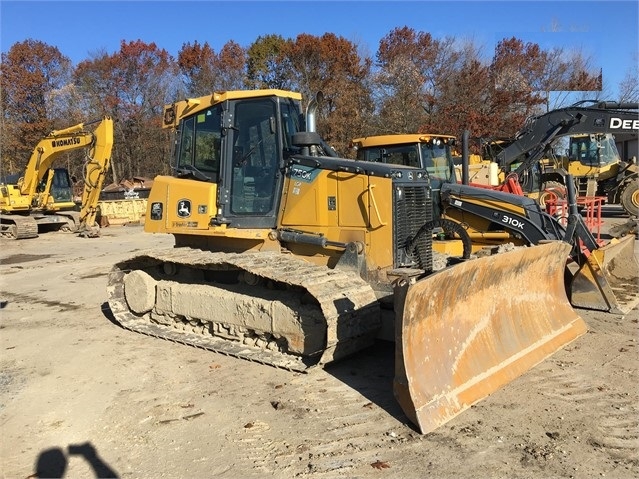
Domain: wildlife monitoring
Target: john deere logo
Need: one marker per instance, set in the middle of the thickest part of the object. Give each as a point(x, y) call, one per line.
point(184, 208)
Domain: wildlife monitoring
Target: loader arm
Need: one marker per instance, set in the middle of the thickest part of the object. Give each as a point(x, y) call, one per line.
point(527, 220)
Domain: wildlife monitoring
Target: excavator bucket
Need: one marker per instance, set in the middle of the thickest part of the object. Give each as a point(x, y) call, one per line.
point(472, 328)
point(607, 281)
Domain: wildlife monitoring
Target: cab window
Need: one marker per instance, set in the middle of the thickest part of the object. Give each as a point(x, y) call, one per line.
point(437, 160)
point(255, 157)
point(407, 155)
point(200, 142)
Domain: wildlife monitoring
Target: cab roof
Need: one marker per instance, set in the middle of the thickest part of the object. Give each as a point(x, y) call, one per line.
point(178, 110)
point(386, 140)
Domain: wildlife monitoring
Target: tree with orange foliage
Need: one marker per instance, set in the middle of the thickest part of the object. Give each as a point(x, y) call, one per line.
point(132, 86)
point(204, 71)
point(332, 65)
point(29, 73)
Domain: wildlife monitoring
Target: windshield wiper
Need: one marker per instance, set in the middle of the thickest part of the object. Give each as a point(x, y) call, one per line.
point(190, 171)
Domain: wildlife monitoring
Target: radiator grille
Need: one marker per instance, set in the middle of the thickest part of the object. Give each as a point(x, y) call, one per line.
point(412, 208)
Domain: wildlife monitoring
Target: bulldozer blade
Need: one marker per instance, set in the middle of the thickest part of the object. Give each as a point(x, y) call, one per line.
point(607, 280)
point(468, 330)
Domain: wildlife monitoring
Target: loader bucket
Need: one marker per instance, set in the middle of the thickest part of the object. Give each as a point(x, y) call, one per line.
point(607, 280)
point(472, 328)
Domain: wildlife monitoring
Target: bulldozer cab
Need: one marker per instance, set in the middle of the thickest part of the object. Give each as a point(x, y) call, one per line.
point(239, 145)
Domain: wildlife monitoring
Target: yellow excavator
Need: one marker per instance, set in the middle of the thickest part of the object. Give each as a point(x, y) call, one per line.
point(598, 276)
point(42, 198)
point(288, 255)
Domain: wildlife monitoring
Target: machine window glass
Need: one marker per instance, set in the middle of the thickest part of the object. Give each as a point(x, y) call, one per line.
point(200, 142)
point(255, 157)
point(608, 151)
point(290, 124)
point(407, 155)
point(61, 187)
point(187, 141)
point(396, 155)
point(208, 133)
point(437, 160)
point(369, 154)
point(594, 150)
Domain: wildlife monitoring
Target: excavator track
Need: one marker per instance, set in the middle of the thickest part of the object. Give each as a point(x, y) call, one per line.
point(283, 311)
point(19, 227)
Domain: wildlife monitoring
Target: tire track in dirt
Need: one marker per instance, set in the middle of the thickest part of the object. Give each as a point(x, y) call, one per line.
point(614, 425)
point(260, 450)
point(346, 422)
point(618, 428)
point(354, 428)
point(353, 425)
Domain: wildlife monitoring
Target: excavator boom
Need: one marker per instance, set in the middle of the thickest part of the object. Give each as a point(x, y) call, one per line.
point(531, 141)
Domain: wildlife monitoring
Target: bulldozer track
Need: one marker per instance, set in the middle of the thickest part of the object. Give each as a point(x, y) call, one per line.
point(340, 294)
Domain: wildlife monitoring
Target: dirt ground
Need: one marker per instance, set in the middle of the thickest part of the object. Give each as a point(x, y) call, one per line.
point(81, 397)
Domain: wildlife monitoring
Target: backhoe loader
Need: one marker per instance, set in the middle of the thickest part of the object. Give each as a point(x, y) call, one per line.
point(288, 255)
point(41, 197)
point(599, 277)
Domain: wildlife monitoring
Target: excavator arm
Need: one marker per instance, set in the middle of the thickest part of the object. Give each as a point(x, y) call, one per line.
point(539, 131)
point(96, 168)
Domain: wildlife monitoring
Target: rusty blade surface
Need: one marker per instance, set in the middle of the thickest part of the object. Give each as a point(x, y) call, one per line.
point(476, 326)
point(608, 280)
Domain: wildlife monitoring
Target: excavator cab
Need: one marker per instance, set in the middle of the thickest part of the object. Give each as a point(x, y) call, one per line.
point(55, 191)
point(594, 150)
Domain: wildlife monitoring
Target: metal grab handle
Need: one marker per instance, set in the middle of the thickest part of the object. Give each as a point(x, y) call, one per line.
point(374, 205)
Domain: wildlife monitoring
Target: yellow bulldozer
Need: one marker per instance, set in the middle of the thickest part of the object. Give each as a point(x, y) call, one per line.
point(42, 196)
point(289, 255)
